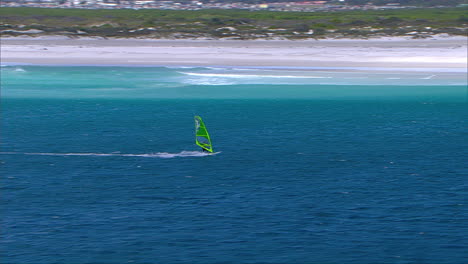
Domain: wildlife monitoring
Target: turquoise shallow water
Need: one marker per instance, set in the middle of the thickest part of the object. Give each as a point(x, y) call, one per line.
point(99, 166)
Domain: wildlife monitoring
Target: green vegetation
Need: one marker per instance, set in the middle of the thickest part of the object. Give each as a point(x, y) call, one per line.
point(408, 2)
point(237, 24)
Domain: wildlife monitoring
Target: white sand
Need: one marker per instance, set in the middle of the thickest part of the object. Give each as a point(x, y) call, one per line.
point(387, 53)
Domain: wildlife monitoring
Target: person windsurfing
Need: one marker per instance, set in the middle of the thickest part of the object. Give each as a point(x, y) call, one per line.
point(202, 138)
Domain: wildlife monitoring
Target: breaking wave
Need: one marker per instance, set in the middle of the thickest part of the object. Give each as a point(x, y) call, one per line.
point(230, 75)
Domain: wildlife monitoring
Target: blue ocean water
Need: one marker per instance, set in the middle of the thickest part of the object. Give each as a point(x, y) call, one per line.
point(99, 165)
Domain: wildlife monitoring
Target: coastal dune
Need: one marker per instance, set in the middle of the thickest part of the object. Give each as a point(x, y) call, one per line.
point(387, 52)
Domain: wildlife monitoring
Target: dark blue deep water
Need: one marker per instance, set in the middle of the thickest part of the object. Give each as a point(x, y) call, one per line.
point(97, 169)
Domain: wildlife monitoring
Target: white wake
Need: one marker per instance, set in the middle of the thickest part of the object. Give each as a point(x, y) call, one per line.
point(164, 155)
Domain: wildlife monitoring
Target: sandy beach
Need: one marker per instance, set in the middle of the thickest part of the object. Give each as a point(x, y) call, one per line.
point(387, 53)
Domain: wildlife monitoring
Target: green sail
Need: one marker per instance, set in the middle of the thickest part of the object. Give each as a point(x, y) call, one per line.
point(202, 138)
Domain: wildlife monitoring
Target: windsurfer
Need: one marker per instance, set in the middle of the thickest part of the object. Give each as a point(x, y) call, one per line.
point(202, 139)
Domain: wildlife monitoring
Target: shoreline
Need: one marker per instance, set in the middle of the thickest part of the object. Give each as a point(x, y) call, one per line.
point(272, 68)
point(334, 54)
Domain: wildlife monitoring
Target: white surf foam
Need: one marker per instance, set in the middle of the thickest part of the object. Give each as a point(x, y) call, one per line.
point(20, 70)
point(428, 77)
point(164, 155)
point(209, 81)
point(231, 75)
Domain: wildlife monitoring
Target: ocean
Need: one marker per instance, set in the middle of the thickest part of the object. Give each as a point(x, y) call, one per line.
point(99, 165)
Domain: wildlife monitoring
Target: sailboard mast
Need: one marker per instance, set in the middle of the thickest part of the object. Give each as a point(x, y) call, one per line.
point(202, 138)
